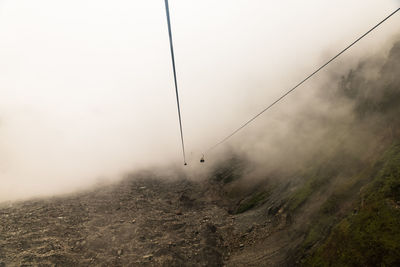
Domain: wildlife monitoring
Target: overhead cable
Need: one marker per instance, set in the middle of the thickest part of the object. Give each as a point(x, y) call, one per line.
point(303, 81)
point(175, 79)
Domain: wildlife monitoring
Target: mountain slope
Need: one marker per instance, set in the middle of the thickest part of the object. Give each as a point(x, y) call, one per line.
point(338, 206)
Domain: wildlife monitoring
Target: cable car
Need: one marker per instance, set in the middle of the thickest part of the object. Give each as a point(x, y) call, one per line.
point(202, 159)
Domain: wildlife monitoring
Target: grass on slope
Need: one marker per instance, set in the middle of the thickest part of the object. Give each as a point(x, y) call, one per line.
point(370, 237)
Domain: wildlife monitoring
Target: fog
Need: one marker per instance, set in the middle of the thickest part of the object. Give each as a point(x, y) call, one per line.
point(86, 87)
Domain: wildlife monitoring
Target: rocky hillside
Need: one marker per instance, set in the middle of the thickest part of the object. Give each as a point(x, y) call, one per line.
point(340, 207)
point(141, 221)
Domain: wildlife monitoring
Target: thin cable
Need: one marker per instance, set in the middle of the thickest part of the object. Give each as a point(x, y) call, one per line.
point(176, 83)
point(303, 81)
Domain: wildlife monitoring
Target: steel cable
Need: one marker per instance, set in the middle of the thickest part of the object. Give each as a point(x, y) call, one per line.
point(300, 83)
point(175, 79)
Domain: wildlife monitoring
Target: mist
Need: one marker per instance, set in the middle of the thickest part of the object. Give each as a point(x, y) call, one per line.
point(86, 87)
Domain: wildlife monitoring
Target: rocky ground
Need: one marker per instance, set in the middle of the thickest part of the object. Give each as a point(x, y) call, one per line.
point(139, 222)
point(339, 207)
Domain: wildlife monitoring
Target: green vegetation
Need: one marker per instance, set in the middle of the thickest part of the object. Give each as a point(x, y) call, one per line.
point(332, 204)
point(370, 237)
point(301, 195)
point(315, 178)
point(229, 171)
point(359, 222)
point(330, 211)
point(255, 200)
point(368, 100)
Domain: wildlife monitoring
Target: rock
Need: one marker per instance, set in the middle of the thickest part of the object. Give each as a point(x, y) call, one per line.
point(178, 212)
point(211, 227)
point(241, 246)
point(148, 257)
point(120, 252)
point(133, 221)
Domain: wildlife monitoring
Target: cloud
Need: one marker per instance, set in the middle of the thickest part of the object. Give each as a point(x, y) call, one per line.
point(86, 87)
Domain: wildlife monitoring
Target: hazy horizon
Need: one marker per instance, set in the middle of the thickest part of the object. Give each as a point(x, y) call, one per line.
point(86, 87)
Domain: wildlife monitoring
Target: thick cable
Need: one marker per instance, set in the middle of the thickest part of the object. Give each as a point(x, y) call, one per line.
point(303, 81)
point(175, 79)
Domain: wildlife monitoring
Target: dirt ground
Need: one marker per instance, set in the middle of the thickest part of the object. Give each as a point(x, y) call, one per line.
point(138, 222)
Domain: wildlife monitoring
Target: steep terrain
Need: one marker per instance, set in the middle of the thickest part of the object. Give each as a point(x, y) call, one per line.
point(137, 222)
point(339, 207)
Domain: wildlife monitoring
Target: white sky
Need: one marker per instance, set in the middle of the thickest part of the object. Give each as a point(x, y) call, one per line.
point(86, 87)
